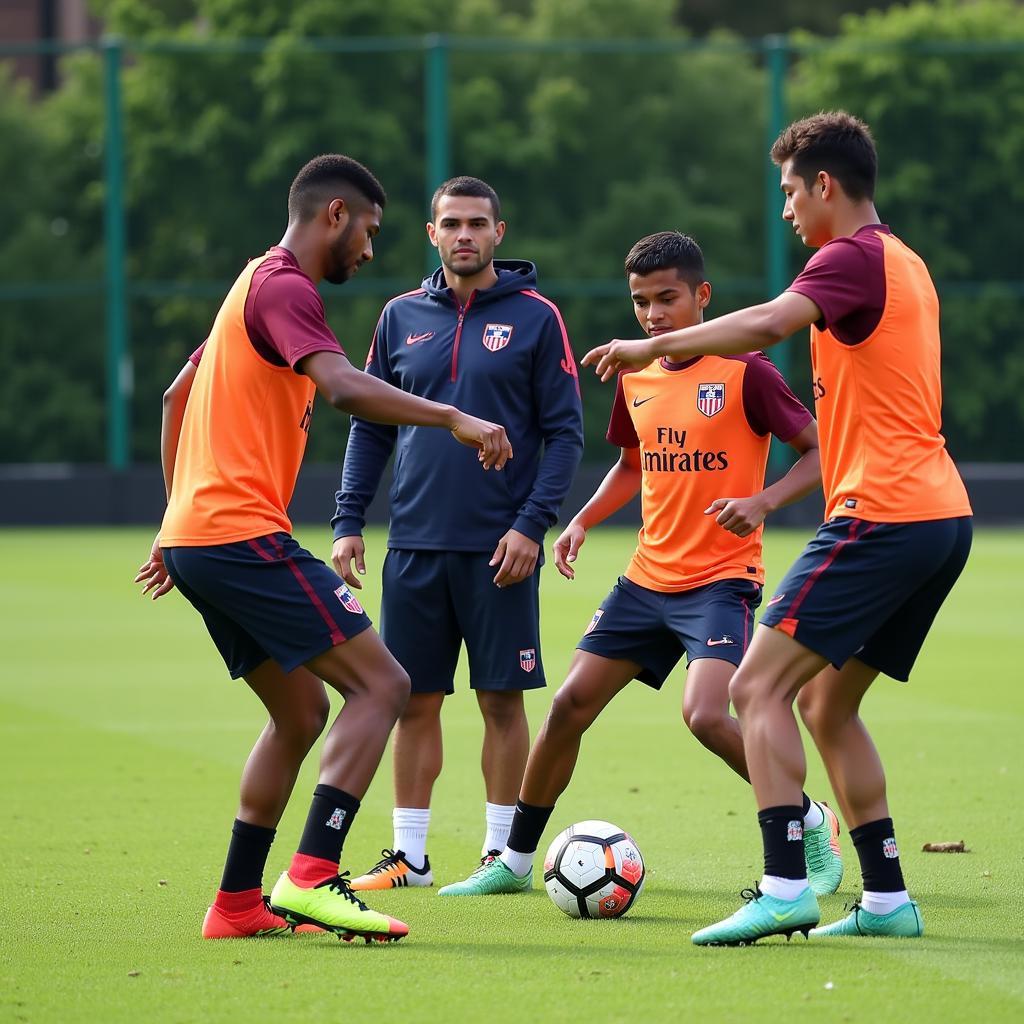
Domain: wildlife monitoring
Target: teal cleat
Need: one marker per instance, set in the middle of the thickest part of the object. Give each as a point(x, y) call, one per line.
point(822, 854)
point(492, 878)
point(763, 915)
point(904, 922)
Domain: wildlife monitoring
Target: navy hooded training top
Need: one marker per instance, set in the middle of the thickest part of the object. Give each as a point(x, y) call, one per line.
point(504, 356)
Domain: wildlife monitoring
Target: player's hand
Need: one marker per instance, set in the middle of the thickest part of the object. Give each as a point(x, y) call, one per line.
point(567, 547)
point(345, 551)
point(516, 557)
point(490, 438)
point(741, 516)
point(153, 573)
point(614, 356)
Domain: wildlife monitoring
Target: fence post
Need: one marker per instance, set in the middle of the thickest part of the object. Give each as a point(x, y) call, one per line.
point(776, 271)
point(119, 366)
point(436, 116)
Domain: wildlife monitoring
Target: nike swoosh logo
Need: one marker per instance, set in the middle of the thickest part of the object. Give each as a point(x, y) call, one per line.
point(637, 402)
point(775, 600)
point(782, 917)
point(718, 643)
point(413, 338)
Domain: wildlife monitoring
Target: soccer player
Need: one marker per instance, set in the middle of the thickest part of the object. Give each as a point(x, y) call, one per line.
point(861, 598)
point(694, 439)
point(234, 431)
point(464, 548)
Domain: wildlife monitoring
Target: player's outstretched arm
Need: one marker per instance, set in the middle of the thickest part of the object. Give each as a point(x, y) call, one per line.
point(620, 484)
point(362, 394)
point(744, 515)
point(746, 330)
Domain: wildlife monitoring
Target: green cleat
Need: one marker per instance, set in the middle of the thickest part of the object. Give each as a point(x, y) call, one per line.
point(333, 906)
point(763, 915)
point(492, 878)
point(822, 855)
point(904, 922)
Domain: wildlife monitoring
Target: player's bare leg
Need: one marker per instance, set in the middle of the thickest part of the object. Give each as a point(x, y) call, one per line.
point(706, 711)
point(830, 707)
point(590, 685)
point(763, 690)
point(298, 707)
point(506, 743)
point(375, 689)
point(417, 756)
point(588, 688)
point(418, 750)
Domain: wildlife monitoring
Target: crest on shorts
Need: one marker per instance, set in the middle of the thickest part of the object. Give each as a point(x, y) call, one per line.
point(711, 398)
point(348, 599)
point(594, 621)
point(497, 336)
point(528, 659)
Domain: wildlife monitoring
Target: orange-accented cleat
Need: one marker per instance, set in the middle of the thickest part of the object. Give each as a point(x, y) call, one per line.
point(393, 871)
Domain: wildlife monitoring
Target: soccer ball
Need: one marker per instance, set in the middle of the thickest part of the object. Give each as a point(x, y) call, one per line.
point(593, 869)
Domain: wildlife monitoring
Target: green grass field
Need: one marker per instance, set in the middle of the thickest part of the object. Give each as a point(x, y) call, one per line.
point(122, 740)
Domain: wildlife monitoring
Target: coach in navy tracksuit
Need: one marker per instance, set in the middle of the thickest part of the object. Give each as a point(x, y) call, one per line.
point(464, 547)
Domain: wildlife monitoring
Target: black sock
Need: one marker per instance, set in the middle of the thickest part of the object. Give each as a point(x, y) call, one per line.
point(782, 832)
point(875, 843)
point(528, 826)
point(807, 805)
point(330, 818)
point(247, 857)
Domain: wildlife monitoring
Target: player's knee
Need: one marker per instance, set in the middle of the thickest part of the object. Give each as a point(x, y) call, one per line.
point(819, 715)
point(706, 724)
point(569, 712)
point(502, 711)
point(304, 723)
point(393, 690)
point(742, 691)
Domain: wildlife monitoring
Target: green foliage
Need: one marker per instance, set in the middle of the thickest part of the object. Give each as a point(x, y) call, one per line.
point(589, 151)
point(951, 143)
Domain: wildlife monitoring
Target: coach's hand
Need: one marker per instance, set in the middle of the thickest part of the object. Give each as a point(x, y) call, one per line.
point(741, 516)
point(518, 557)
point(153, 573)
point(490, 438)
point(567, 547)
point(609, 359)
point(345, 551)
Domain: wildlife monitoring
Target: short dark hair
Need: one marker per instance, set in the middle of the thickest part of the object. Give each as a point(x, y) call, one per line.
point(835, 142)
point(667, 250)
point(323, 175)
point(466, 186)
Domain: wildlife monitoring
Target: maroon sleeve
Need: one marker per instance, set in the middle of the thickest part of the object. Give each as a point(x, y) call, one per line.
point(621, 431)
point(841, 279)
point(198, 354)
point(285, 318)
point(770, 406)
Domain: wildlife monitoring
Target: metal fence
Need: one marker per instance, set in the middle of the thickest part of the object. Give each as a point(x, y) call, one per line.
point(125, 284)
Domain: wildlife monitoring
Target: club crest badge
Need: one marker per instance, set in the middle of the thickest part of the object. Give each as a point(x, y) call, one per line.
point(528, 659)
point(710, 399)
point(337, 819)
point(348, 599)
point(497, 336)
point(594, 621)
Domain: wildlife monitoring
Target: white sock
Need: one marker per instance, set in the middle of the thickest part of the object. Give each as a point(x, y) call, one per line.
point(499, 821)
point(411, 824)
point(518, 863)
point(884, 902)
point(814, 817)
point(782, 888)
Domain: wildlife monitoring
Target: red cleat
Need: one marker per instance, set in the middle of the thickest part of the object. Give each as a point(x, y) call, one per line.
point(260, 920)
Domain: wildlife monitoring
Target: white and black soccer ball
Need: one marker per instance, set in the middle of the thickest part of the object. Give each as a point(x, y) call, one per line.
point(593, 869)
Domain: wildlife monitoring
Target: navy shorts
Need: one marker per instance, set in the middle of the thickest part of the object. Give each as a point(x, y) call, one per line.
point(870, 590)
point(266, 598)
point(655, 629)
point(432, 601)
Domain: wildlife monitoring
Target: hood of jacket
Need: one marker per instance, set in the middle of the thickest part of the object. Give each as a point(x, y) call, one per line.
point(513, 276)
